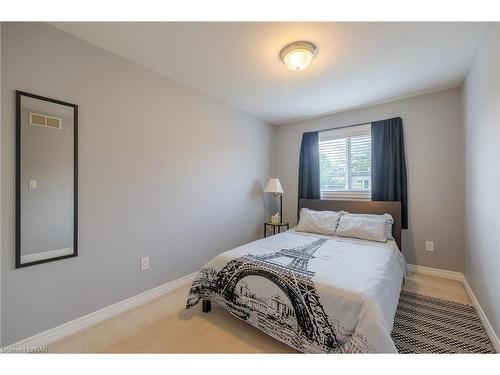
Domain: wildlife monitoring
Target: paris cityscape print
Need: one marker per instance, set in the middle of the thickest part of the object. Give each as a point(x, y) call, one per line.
point(275, 293)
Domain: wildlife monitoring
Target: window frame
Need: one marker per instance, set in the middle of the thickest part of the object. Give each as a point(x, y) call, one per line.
point(338, 133)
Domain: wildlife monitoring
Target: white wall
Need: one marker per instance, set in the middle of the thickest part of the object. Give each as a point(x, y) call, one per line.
point(434, 148)
point(164, 172)
point(482, 175)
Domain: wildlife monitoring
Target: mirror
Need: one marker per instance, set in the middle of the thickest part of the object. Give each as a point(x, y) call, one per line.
point(46, 179)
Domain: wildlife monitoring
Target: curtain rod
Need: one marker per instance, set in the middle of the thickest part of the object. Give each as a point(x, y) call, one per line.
point(352, 125)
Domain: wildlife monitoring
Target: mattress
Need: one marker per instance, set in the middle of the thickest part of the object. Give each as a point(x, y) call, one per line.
point(316, 293)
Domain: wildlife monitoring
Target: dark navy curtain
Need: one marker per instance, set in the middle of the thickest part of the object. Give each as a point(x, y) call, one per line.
point(389, 164)
point(309, 167)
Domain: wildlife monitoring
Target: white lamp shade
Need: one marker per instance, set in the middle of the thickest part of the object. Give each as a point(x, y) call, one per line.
point(274, 186)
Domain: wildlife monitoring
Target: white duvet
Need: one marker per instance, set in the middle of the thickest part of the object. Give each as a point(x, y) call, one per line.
point(314, 292)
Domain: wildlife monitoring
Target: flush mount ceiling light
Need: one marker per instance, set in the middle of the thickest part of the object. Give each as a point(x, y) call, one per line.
point(298, 55)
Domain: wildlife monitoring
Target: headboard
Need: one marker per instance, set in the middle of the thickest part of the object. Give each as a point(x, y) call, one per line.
point(360, 207)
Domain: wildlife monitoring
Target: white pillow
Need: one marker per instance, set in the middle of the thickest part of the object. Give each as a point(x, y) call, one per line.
point(387, 218)
point(363, 227)
point(322, 222)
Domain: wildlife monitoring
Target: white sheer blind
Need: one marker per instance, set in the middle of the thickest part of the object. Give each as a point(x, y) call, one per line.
point(345, 162)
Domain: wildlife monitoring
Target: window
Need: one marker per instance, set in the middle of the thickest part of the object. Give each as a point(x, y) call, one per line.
point(345, 162)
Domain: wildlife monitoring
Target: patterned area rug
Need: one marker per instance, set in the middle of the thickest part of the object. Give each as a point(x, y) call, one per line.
point(432, 325)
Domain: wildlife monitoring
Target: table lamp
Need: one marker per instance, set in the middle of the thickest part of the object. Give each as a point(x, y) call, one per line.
point(274, 186)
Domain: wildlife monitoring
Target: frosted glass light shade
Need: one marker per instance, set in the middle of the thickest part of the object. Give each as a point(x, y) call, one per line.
point(298, 59)
point(298, 55)
point(274, 186)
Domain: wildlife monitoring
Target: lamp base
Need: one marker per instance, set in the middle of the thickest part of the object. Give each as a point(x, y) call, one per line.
point(281, 207)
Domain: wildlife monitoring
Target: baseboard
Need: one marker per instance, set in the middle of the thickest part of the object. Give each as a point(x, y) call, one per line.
point(73, 326)
point(436, 272)
point(458, 276)
point(487, 325)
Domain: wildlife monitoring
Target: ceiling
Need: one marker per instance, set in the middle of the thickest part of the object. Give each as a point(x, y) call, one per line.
point(358, 64)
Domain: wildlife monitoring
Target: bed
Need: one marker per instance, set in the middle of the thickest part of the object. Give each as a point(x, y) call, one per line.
point(317, 293)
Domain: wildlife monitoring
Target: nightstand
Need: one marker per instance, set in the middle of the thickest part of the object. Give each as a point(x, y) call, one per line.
point(276, 227)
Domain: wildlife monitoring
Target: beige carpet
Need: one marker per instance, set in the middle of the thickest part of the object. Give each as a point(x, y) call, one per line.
point(162, 326)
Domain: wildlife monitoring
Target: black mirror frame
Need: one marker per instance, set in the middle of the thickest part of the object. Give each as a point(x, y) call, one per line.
point(18, 264)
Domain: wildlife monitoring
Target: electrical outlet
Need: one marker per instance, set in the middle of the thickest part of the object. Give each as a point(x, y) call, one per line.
point(144, 263)
point(429, 245)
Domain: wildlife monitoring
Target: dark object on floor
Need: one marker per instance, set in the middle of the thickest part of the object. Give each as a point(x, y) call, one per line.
point(206, 305)
point(432, 325)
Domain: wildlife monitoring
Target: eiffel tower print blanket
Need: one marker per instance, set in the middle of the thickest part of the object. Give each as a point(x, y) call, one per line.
point(318, 294)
